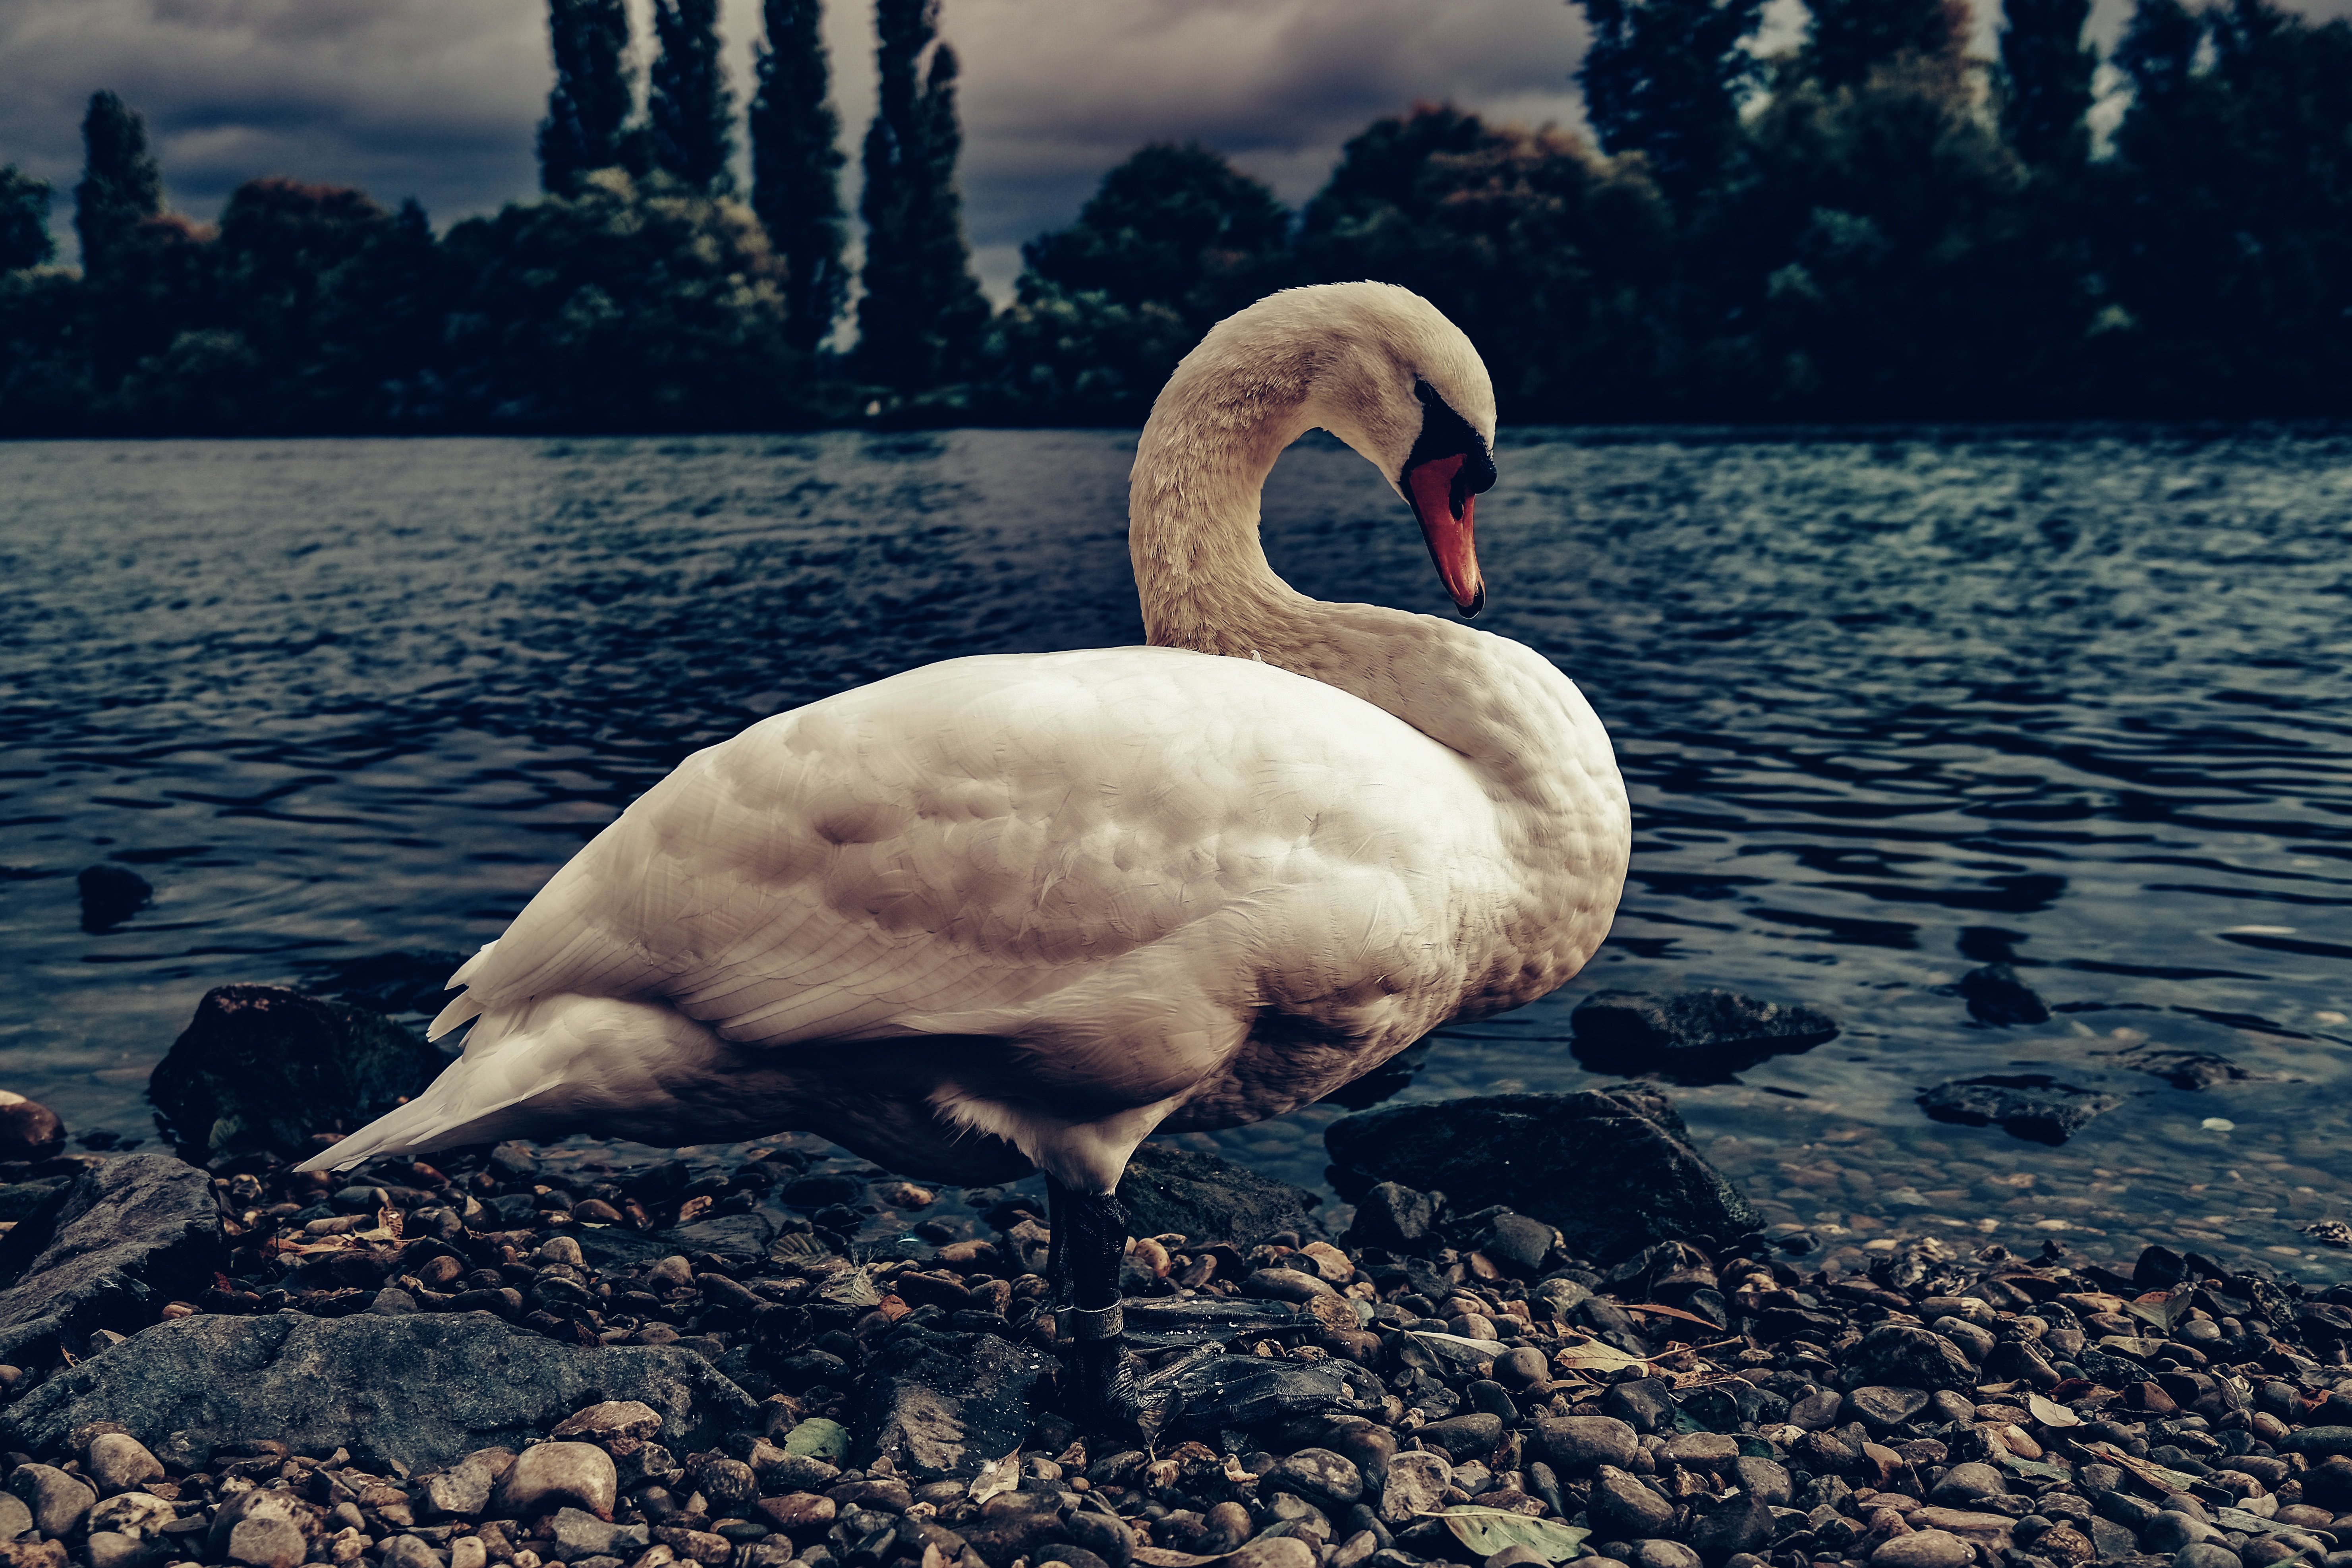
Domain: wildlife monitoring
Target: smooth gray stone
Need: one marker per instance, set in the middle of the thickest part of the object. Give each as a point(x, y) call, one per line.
point(432, 1387)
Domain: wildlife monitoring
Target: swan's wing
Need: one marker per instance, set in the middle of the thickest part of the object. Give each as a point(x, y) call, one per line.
point(962, 840)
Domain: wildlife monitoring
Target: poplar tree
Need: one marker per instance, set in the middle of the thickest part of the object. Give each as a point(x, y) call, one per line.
point(1663, 77)
point(23, 220)
point(921, 320)
point(120, 187)
point(796, 169)
point(687, 105)
point(1851, 38)
point(588, 109)
point(2046, 72)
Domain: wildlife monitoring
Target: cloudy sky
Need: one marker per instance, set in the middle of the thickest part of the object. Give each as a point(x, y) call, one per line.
point(439, 99)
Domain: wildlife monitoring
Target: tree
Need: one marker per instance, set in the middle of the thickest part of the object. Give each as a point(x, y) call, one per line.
point(587, 126)
point(1177, 226)
point(1174, 240)
point(2225, 232)
point(688, 104)
point(23, 220)
point(1665, 78)
point(1556, 261)
point(920, 321)
point(120, 187)
point(2046, 70)
point(796, 169)
point(627, 305)
point(1850, 38)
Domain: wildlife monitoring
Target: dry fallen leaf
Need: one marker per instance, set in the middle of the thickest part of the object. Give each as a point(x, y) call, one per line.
point(2050, 1413)
point(998, 1477)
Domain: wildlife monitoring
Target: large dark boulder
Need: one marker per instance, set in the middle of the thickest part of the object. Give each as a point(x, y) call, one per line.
point(1169, 1190)
point(110, 895)
point(422, 1390)
point(2032, 1106)
point(1995, 995)
point(1613, 1169)
point(409, 980)
point(944, 1405)
point(106, 1251)
point(1692, 1036)
point(261, 1068)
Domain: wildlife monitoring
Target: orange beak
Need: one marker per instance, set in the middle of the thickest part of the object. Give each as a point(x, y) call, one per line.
point(1444, 512)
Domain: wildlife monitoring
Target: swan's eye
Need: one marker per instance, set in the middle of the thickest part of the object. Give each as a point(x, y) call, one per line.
point(1445, 433)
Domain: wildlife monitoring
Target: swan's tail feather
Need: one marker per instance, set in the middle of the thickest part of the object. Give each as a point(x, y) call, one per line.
point(444, 1116)
point(544, 1064)
point(466, 1004)
point(462, 1008)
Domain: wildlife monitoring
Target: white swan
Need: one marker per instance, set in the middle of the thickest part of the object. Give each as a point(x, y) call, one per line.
point(1027, 908)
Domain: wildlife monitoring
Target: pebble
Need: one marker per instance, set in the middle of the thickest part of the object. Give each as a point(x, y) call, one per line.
point(1993, 1358)
point(1924, 1549)
point(117, 1462)
point(59, 1502)
point(553, 1474)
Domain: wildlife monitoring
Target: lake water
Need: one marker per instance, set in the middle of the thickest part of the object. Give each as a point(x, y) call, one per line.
point(1888, 709)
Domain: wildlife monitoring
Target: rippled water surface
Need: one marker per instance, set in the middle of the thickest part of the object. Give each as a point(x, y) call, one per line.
point(1888, 709)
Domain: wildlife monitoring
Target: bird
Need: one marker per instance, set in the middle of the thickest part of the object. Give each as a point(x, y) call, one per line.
point(1016, 912)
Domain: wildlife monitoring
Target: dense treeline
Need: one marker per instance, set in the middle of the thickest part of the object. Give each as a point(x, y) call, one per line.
point(1872, 227)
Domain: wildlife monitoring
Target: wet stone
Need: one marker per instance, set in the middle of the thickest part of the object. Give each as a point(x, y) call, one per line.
point(1623, 1508)
point(1968, 1483)
point(1995, 995)
point(1881, 1407)
point(1701, 1450)
point(1321, 1473)
point(118, 1462)
point(59, 1502)
point(1463, 1437)
point(1924, 1549)
point(1899, 1356)
point(553, 1474)
point(2031, 1105)
point(1661, 1553)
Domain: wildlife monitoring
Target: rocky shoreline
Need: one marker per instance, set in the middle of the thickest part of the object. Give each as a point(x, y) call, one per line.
point(504, 1360)
point(1547, 1331)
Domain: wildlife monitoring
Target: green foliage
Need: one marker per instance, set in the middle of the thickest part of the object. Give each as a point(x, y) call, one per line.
point(1079, 357)
point(1877, 260)
point(796, 169)
point(2223, 225)
point(45, 361)
point(23, 220)
point(688, 109)
point(922, 316)
point(628, 305)
point(1849, 39)
point(1174, 240)
point(2046, 70)
point(1173, 226)
point(122, 187)
point(1554, 261)
point(1665, 78)
point(587, 126)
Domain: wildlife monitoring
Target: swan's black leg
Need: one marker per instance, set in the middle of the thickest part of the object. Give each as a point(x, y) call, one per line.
point(1089, 1241)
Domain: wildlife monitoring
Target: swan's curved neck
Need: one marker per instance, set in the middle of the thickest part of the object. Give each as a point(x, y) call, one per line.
point(1192, 529)
point(1206, 584)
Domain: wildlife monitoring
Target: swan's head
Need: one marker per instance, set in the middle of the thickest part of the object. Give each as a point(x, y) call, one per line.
point(1383, 370)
